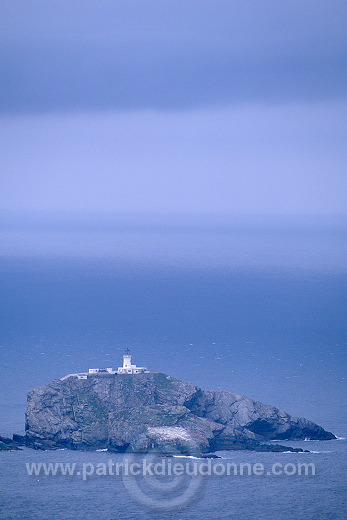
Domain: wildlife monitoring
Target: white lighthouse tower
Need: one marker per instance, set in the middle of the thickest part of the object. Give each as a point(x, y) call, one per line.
point(128, 368)
point(127, 359)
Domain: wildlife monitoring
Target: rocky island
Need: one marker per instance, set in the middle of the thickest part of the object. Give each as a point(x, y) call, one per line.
point(143, 410)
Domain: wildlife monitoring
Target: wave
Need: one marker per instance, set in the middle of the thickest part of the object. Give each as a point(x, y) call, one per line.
point(187, 457)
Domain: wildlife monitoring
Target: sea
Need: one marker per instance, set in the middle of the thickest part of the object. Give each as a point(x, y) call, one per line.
point(255, 310)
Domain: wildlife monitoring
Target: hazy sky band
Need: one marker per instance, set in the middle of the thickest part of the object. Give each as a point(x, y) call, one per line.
point(241, 160)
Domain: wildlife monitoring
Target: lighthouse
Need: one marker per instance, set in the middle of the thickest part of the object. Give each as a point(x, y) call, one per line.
point(128, 368)
point(127, 359)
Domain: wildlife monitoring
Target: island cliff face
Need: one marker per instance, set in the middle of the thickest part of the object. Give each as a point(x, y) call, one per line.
point(155, 411)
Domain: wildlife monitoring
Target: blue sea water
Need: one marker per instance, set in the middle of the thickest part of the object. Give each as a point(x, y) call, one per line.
point(320, 496)
point(263, 316)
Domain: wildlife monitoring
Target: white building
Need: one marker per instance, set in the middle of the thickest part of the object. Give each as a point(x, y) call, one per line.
point(101, 371)
point(128, 368)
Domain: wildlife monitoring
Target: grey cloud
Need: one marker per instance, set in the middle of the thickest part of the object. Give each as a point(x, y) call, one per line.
point(169, 55)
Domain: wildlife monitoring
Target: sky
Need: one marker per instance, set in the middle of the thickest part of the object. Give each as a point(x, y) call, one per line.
point(173, 108)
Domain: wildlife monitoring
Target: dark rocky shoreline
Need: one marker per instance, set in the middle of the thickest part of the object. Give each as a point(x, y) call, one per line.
point(7, 444)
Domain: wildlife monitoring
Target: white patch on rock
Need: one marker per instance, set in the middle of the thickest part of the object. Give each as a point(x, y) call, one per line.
point(169, 433)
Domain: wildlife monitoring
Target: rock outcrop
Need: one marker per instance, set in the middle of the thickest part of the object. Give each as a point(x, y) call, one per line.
point(7, 444)
point(145, 411)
